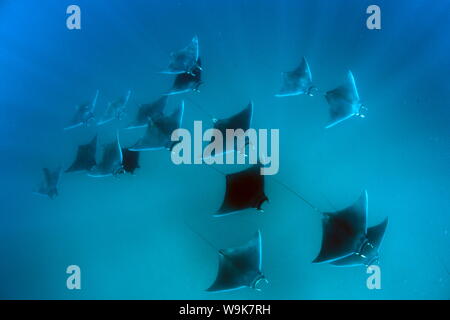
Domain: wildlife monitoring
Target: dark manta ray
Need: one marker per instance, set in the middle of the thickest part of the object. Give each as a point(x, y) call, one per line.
point(240, 267)
point(111, 163)
point(244, 189)
point(148, 111)
point(346, 240)
point(184, 60)
point(344, 102)
point(186, 82)
point(130, 160)
point(115, 109)
point(84, 114)
point(49, 187)
point(85, 158)
point(241, 120)
point(298, 81)
point(159, 132)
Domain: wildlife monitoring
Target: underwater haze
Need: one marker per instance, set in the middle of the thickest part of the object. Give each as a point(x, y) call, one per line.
point(143, 236)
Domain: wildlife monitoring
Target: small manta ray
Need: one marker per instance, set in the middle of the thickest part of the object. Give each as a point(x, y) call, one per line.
point(85, 158)
point(244, 190)
point(115, 110)
point(346, 240)
point(298, 81)
point(49, 187)
point(159, 132)
point(186, 82)
point(84, 115)
point(344, 102)
point(240, 267)
point(152, 111)
point(241, 120)
point(111, 164)
point(184, 60)
point(130, 160)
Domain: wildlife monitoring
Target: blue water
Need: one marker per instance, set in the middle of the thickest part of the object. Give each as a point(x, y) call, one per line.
point(132, 236)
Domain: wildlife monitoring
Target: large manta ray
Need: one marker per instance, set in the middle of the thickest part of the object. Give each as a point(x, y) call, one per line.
point(244, 190)
point(159, 131)
point(111, 163)
point(240, 267)
point(298, 81)
point(49, 186)
point(344, 102)
point(346, 240)
point(148, 111)
point(184, 60)
point(85, 158)
point(186, 82)
point(115, 109)
point(241, 120)
point(84, 114)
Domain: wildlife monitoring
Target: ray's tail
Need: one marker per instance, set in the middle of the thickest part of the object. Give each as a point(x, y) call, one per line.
point(298, 195)
point(200, 236)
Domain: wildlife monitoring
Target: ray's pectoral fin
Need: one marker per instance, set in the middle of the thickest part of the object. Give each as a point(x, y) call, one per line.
point(343, 231)
point(85, 158)
point(111, 162)
point(244, 190)
point(130, 160)
point(240, 267)
point(344, 102)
